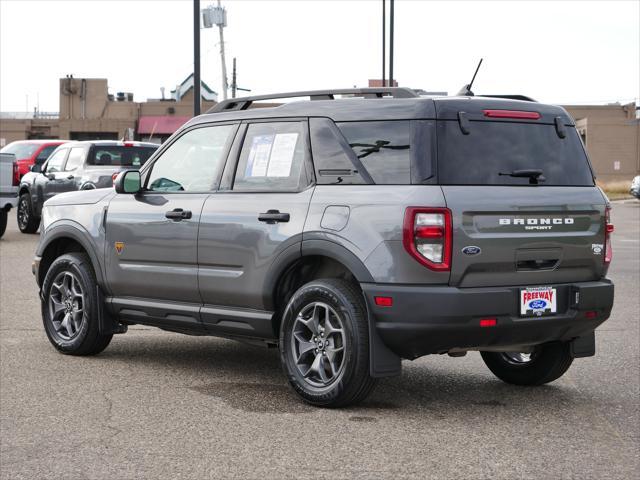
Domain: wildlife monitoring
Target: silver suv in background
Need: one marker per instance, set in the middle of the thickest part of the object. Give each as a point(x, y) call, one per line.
point(350, 233)
point(8, 188)
point(84, 165)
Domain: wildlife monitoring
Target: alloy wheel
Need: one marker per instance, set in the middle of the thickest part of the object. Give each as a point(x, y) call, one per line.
point(23, 213)
point(318, 344)
point(66, 305)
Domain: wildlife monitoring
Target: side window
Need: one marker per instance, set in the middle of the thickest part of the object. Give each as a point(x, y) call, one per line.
point(384, 148)
point(56, 161)
point(44, 154)
point(193, 162)
point(76, 157)
point(272, 158)
point(333, 159)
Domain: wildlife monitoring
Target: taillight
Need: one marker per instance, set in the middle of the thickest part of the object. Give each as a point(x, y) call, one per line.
point(427, 236)
point(16, 175)
point(608, 230)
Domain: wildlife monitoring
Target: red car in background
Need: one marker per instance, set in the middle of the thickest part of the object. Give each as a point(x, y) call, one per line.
point(29, 152)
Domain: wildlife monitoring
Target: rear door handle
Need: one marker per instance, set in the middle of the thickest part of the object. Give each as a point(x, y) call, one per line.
point(70, 177)
point(274, 216)
point(178, 214)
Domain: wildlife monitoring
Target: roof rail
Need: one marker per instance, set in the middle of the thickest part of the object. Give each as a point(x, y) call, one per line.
point(511, 97)
point(244, 103)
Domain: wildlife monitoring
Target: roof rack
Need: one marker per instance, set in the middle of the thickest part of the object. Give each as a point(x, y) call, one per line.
point(245, 102)
point(511, 97)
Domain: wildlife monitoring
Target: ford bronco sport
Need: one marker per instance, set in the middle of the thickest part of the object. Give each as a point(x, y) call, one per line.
point(350, 233)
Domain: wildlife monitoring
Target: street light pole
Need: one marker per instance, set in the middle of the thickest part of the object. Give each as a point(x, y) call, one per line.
point(196, 58)
point(391, 43)
point(384, 42)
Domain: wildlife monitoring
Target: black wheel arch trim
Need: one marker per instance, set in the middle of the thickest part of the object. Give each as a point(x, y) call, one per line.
point(76, 232)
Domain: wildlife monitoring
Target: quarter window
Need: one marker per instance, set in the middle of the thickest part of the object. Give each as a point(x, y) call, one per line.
point(272, 158)
point(384, 148)
point(193, 162)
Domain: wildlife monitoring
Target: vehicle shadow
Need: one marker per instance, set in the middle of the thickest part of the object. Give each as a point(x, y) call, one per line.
point(250, 378)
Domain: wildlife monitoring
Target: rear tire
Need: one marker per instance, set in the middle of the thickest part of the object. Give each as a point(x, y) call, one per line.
point(324, 344)
point(547, 363)
point(28, 222)
point(3, 222)
point(70, 306)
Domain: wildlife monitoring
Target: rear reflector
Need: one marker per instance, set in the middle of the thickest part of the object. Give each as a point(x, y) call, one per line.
point(591, 314)
point(384, 301)
point(512, 114)
point(488, 322)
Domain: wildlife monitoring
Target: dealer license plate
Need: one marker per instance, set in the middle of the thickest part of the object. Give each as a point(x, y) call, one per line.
point(537, 301)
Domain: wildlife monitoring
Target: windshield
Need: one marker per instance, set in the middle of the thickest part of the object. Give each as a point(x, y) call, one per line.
point(500, 153)
point(119, 156)
point(21, 150)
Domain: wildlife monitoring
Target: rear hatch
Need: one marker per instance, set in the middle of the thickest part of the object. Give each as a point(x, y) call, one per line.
point(525, 210)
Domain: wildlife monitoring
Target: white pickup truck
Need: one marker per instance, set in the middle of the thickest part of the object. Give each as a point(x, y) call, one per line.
point(8, 188)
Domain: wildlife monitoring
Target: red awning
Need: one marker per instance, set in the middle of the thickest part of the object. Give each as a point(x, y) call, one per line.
point(160, 125)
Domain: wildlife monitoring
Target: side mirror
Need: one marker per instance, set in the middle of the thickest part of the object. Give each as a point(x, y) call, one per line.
point(36, 168)
point(128, 182)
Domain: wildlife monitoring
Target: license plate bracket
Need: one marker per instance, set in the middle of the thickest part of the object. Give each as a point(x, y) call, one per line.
point(538, 301)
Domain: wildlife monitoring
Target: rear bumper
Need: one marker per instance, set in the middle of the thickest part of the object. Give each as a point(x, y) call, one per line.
point(9, 199)
point(437, 319)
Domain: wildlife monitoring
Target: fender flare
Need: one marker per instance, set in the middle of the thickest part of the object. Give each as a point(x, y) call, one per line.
point(75, 231)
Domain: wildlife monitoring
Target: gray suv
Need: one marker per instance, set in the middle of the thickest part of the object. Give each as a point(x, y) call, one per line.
point(350, 233)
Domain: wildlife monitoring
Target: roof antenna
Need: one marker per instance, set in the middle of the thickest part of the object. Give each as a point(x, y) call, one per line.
point(466, 90)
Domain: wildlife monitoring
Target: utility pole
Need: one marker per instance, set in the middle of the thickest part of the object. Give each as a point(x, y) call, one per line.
point(196, 58)
point(218, 16)
point(391, 43)
point(221, 26)
point(234, 83)
point(384, 42)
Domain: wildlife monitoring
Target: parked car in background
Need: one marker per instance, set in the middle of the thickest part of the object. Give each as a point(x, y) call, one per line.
point(73, 166)
point(8, 188)
point(30, 152)
point(635, 187)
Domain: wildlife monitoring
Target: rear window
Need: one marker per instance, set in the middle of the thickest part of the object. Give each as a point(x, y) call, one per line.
point(384, 148)
point(119, 156)
point(21, 150)
point(492, 148)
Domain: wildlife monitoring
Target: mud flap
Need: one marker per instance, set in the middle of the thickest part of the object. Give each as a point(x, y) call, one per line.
point(382, 361)
point(584, 346)
point(106, 323)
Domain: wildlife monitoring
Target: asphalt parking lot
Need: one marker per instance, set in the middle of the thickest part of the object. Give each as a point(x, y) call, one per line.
point(163, 405)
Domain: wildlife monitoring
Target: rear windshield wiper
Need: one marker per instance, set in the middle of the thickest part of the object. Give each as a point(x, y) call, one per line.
point(535, 176)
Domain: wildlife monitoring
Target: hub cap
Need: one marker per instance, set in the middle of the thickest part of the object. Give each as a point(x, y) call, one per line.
point(66, 305)
point(318, 344)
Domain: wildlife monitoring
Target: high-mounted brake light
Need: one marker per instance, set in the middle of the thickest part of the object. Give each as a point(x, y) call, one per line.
point(427, 236)
point(520, 114)
point(608, 230)
point(129, 144)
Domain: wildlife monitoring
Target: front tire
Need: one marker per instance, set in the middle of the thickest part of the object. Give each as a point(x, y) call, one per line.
point(3, 222)
point(545, 364)
point(28, 222)
point(70, 306)
point(324, 344)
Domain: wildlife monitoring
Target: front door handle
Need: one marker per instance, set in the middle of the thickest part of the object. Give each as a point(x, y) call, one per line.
point(70, 177)
point(178, 214)
point(273, 216)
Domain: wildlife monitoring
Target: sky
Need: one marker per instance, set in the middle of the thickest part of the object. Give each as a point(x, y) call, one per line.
point(573, 52)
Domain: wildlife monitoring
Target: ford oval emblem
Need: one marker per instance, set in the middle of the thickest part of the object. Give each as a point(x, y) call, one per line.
point(471, 250)
point(538, 304)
